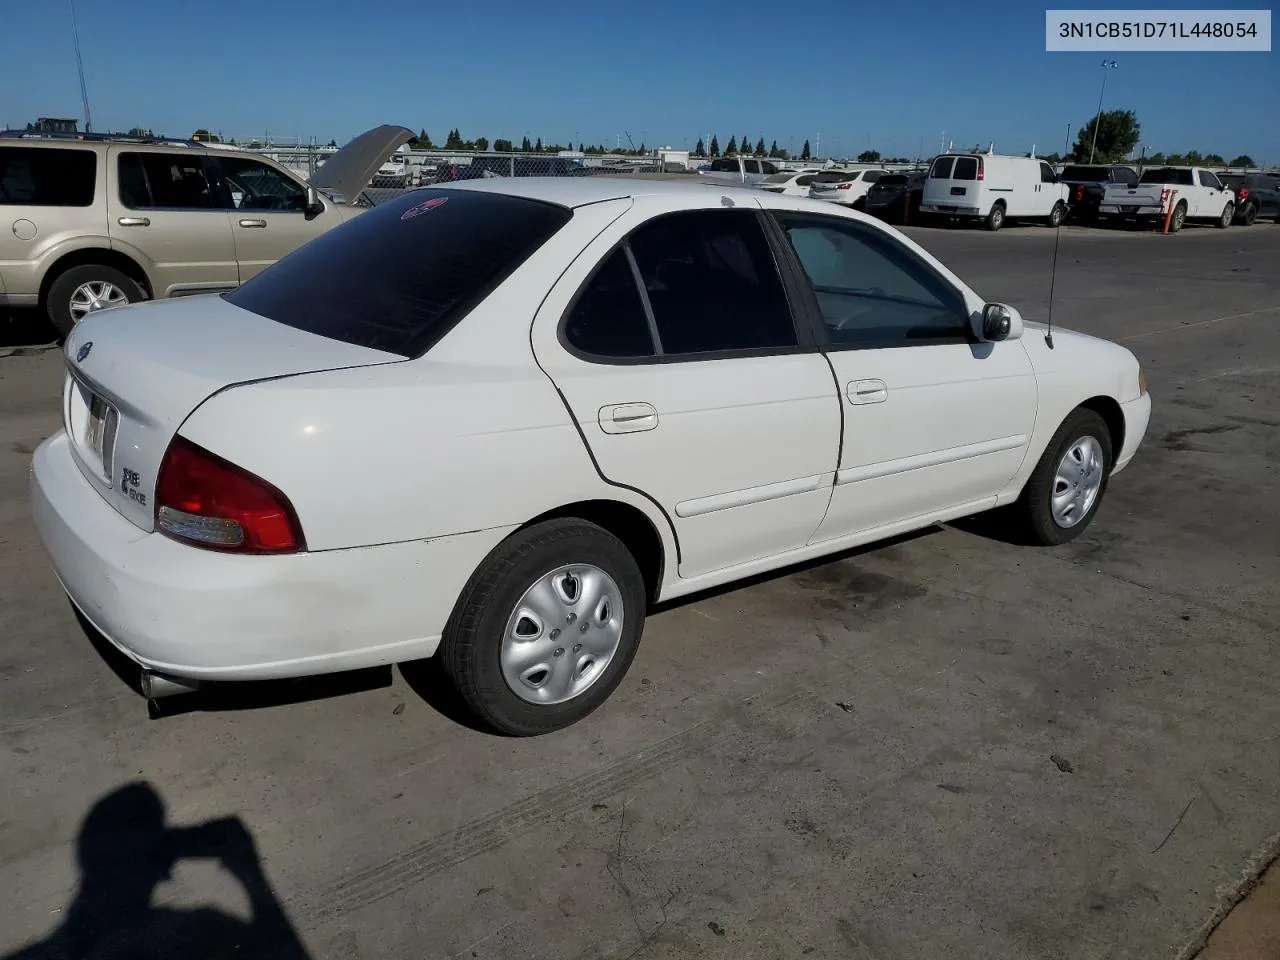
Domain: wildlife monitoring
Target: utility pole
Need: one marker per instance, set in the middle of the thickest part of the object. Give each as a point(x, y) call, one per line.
point(84, 90)
point(1097, 117)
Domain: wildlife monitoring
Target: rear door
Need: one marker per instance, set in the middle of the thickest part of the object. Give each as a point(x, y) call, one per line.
point(162, 212)
point(934, 421)
point(266, 212)
point(953, 185)
point(673, 343)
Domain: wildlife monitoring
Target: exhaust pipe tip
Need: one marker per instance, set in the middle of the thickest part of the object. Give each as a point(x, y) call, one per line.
point(157, 685)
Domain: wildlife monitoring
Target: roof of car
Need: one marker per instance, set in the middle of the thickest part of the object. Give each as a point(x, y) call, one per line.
point(580, 191)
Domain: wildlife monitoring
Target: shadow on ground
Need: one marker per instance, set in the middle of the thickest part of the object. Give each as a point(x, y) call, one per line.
point(125, 850)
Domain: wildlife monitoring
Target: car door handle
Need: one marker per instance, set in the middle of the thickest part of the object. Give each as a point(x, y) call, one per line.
point(253, 223)
point(628, 418)
point(134, 222)
point(867, 391)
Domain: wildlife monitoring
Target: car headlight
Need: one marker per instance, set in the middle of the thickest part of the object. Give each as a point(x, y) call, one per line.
point(1142, 381)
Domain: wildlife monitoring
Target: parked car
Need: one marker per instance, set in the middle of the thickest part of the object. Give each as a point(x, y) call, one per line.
point(847, 188)
point(794, 183)
point(1086, 185)
point(98, 222)
point(738, 170)
point(896, 197)
point(393, 173)
point(441, 430)
point(1191, 193)
point(1256, 196)
point(994, 189)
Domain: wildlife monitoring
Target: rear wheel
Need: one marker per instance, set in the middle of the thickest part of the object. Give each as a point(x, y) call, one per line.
point(995, 219)
point(1062, 496)
point(1179, 218)
point(1249, 214)
point(87, 289)
point(1228, 214)
point(546, 628)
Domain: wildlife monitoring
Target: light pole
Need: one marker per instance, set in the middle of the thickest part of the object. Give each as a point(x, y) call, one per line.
point(84, 91)
point(1097, 118)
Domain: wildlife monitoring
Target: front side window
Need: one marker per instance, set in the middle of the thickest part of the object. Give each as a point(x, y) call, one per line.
point(712, 284)
point(1047, 175)
point(398, 277)
point(871, 291)
point(165, 181)
point(252, 185)
point(44, 177)
point(1208, 179)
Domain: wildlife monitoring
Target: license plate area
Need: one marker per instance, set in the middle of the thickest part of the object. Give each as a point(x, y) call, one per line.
point(92, 423)
point(959, 191)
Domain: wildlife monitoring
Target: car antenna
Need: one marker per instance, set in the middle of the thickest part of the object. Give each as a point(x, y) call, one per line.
point(1053, 276)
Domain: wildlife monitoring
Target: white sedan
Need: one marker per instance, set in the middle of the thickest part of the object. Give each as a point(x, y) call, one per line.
point(850, 191)
point(493, 423)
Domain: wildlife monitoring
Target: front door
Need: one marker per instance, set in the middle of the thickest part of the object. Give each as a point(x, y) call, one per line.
point(162, 212)
point(673, 344)
point(266, 210)
point(934, 421)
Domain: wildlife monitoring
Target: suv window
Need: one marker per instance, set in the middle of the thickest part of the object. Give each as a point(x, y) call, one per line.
point(47, 177)
point(1208, 179)
point(252, 185)
point(871, 176)
point(712, 283)
point(966, 168)
point(398, 277)
point(168, 181)
point(872, 291)
point(608, 319)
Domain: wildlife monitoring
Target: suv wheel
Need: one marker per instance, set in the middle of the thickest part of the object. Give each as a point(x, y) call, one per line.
point(1249, 214)
point(87, 289)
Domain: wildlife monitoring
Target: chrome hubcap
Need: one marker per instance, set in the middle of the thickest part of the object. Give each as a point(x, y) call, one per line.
point(93, 296)
point(1077, 482)
point(562, 634)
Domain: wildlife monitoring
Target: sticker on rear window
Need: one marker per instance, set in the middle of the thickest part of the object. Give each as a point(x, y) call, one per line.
point(424, 207)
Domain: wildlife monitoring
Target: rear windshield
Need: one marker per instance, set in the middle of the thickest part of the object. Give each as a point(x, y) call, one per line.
point(47, 177)
point(400, 276)
point(1086, 173)
point(1167, 175)
point(891, 180)
point(966, 168)
point(1236, 180)
point(942, 168)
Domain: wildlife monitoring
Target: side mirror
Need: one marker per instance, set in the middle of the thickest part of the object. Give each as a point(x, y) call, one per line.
point(315, 206)
point(1000, 322)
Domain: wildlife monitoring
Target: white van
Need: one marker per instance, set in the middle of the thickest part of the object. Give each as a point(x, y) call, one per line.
point(994, 188)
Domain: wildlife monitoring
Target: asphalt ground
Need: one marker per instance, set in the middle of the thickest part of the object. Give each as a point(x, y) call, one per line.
point(951, 745)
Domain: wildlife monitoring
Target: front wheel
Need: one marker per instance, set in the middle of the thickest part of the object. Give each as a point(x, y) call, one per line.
point(546, 627)
point(1228, 214)
point(1058, 214)
point(1062, 496)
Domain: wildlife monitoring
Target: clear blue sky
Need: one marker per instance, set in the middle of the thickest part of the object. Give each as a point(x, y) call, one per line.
point(882, 75)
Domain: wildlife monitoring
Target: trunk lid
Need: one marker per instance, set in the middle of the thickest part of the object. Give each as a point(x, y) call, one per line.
point(134, 375)
point(348, 172)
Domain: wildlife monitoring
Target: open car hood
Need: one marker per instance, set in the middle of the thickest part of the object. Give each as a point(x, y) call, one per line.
point(349, 171)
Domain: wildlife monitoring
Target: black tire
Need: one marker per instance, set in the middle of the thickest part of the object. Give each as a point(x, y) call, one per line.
point(1248, 215)
point(1033, 509)
point(58, 301)
point(1228, 215)
point(860, 205)
point(1057, 215)
point(470, 651)
point(995, 219)
point(1179, 217)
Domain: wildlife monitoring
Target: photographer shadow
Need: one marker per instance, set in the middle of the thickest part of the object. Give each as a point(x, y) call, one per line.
point(125, 851)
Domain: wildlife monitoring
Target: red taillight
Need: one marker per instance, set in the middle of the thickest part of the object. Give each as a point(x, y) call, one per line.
point(1242, 193)
point(982, 171)
point(203, 500)
point(1079, 192)
point(843, 186)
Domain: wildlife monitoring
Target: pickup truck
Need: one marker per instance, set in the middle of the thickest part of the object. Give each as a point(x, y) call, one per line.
point(1087, 184)
point(738, 170)
point(1193, 192)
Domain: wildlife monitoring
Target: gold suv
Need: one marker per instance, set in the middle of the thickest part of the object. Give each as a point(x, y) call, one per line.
point(90, 223)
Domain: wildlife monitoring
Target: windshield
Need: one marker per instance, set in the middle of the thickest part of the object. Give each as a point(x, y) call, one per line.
point(398, 277)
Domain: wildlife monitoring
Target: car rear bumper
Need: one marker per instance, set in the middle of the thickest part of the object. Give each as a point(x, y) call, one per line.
point(1131, 210)
point(1137, 415)
point(198, 614)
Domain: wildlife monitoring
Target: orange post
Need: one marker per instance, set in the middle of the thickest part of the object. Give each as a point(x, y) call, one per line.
point(1168, 217)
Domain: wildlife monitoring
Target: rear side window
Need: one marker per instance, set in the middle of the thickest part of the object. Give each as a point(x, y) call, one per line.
point(167, 181)
point(712, 283)
point(942, 168)
point(608, 319)
point(400, 276)
point(44, 177)
point(966, 168)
